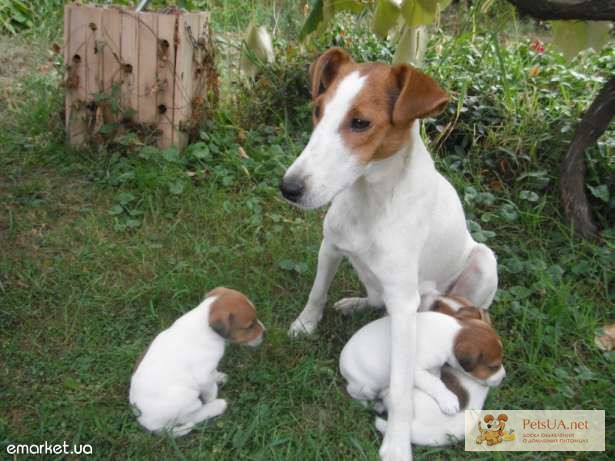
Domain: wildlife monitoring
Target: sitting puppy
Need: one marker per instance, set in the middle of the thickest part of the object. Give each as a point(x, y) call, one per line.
point(466, 343)
point(176, 383)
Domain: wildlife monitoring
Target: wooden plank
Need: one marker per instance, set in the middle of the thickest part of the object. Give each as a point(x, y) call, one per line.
point(111, 35)
point(77, 75)
point(93, 55)
point(166, 73)
point(184, 75)
point(129, 55)
point(68, 100)
point(147, 82)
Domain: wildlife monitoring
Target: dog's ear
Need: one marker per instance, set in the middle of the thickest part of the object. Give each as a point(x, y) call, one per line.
point(326, 67)
point(485, 317)
point(221, 319)
point(222, 325)
point(419, 95)
point(466, 350)
point(468, 312)
point(502, 417)
point(488, 418)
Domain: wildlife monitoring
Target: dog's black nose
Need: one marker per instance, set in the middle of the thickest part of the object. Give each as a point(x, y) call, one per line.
point(292, 188)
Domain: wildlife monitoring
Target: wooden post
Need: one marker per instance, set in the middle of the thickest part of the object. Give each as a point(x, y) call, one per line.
point(150, 58)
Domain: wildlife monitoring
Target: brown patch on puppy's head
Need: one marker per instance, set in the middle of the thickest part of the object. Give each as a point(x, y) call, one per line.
point(233, 317)
point(478, 349)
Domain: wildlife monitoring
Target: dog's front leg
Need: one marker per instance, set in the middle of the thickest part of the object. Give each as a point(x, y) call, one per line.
point(328, 261)
point(402, 305)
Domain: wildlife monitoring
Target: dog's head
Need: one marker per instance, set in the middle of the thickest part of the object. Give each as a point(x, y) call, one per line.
point(478, 349)
point(233, 317)
point(362, 113)
point(494, 424)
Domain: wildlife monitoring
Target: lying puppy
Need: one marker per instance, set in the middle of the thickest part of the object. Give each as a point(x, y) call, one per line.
point(468, 345)
point(176, 382)
point(430, 425)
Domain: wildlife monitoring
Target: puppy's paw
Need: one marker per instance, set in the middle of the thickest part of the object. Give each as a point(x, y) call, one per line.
point(448, 402)
point(395, 449)
point(348, 306)
point(304, 325)
point(217, 407)
point(221, 378)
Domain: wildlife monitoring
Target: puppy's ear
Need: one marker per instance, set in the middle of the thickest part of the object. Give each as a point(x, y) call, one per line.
point(466, 350)
point(418, 95)
point(485, 317)
point(502, 417)
point(468, 312)
point(221, 321)
point(325, 69)
point(488, 418)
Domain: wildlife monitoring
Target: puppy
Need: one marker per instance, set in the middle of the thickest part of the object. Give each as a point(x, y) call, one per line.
point(430, 425)
point(470, 348)
point(176, 382)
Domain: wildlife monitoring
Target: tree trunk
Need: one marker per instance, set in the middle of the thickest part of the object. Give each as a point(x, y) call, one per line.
point(588, 10)
point(594, 122)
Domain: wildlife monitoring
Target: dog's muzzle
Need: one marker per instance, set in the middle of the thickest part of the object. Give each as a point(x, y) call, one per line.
point(292, 188)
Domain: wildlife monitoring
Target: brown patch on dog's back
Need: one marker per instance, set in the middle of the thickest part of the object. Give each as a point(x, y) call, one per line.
point(233, 316)
point(452, 383)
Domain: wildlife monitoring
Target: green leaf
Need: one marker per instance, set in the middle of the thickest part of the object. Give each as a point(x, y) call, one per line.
point(125, 198)
point(133, 223)
point(287, 264)
point(171, 154)
point(313, 20)
point(385, 17)
point(115, 210)
point(530, 196)
point(601, 192)
point(177, 187)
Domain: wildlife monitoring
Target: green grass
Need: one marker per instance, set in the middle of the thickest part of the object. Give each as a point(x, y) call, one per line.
point(100, 251)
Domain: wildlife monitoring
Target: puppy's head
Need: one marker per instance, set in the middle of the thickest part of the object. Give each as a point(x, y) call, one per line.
point(478, 349)
point(362, 113)
point(233, 317)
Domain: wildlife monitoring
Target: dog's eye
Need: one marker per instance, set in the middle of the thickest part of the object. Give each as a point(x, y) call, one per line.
point(494, 367)
point(488, 426)
point(359, 124)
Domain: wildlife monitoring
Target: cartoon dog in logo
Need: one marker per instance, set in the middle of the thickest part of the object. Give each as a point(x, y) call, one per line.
point(495, 429)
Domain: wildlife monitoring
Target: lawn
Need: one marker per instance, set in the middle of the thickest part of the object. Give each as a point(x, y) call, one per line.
point(102, 248)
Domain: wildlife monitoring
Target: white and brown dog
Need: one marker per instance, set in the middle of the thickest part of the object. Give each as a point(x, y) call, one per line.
point(459, 356)
point(465, 344)
point(392, 214)
point(175, 385)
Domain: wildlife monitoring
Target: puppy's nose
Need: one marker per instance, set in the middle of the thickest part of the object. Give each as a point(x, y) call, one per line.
point(292, 188)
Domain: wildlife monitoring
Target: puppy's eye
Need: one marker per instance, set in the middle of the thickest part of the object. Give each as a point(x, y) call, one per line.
point(359, 124)
point(494, 367)
point(317, 111)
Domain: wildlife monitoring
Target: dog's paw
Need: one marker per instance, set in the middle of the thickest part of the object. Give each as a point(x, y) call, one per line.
point(217, 407)
point(303, 326)
point(448, 402)
point(348, 306)
point(381, 424)
point(395, 450)
point(221, 378)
